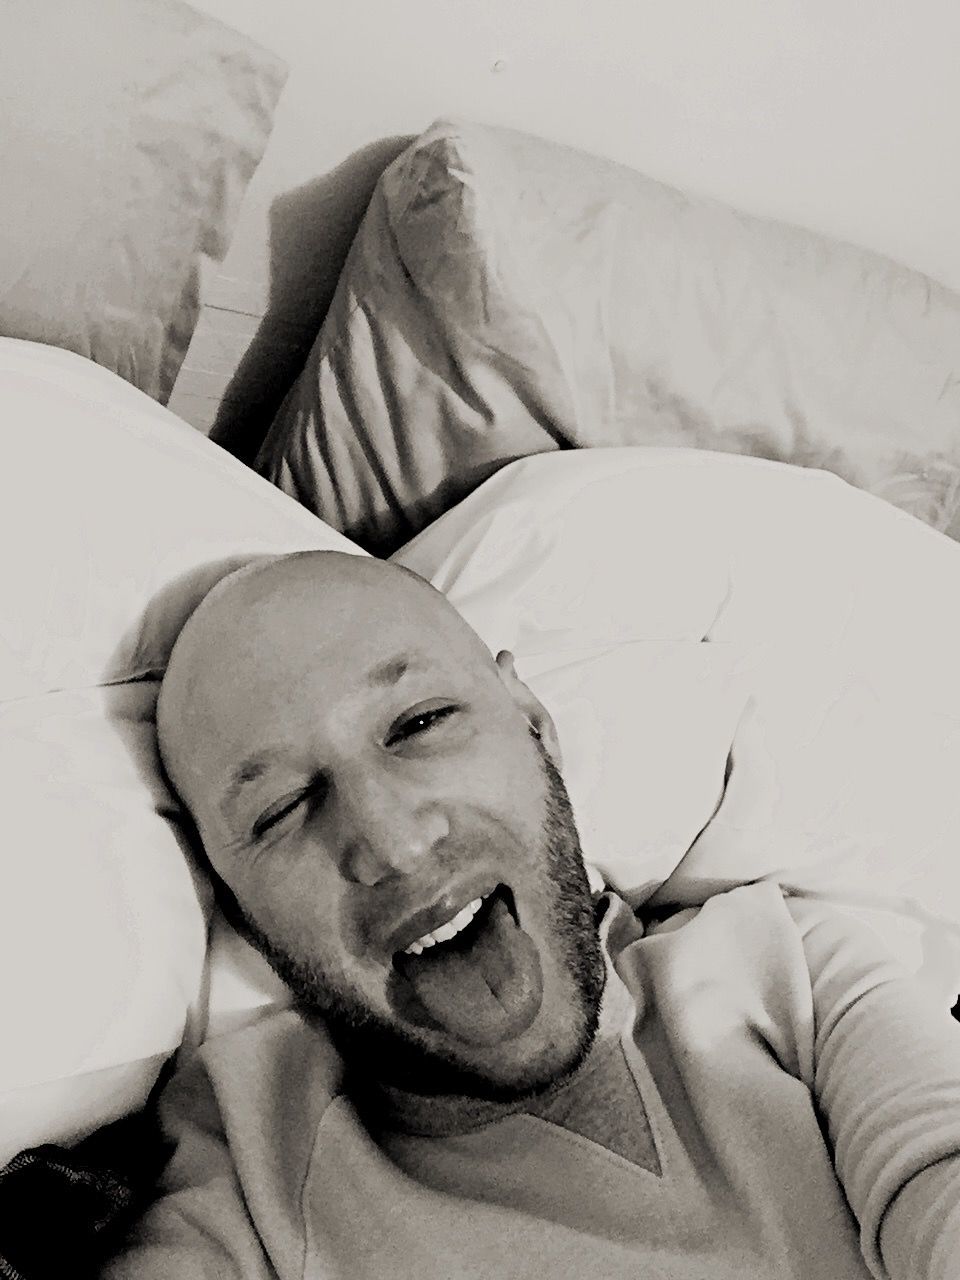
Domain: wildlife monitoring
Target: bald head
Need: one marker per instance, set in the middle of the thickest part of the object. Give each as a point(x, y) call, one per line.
point(267, 625)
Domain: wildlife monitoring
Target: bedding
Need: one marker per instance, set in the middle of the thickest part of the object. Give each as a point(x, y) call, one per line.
point(507, 296)
point(731, 708)
point(130, 131)
point(117, 517)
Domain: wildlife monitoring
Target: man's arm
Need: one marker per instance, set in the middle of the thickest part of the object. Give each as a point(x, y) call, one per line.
point(886, 1077)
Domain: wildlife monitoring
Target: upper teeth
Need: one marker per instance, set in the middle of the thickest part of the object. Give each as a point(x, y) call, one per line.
point(446, 931)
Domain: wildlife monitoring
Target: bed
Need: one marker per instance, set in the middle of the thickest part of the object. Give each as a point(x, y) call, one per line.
point(698, 468)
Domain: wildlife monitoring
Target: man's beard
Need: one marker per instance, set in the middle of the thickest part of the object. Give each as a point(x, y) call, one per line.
point(363, 1038)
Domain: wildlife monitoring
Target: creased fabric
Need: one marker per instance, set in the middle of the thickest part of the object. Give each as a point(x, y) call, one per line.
point(507, 296)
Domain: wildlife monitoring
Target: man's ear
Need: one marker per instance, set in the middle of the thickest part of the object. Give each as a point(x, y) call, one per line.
point(541, 722)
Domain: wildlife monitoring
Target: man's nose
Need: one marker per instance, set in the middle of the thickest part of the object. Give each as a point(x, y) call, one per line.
point(385, 828)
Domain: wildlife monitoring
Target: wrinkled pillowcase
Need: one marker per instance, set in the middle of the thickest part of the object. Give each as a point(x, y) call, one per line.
point(730, 707)
point(130, 131)
point(508, 296)
point(103, 913)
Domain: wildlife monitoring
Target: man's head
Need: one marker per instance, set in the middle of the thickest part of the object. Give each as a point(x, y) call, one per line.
point(365, 781)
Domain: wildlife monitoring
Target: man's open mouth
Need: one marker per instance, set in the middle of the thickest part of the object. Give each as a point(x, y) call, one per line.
point(478, 976)
point(463, 928)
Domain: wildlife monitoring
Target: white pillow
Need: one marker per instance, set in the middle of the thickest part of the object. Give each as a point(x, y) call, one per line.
point(117, 517)
point(506, 295)
point(681, 610)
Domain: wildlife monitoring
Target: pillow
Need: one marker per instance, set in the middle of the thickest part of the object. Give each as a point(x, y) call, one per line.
point(753, 672)
point(508, 296)
point(130, 131)
point(118, 518)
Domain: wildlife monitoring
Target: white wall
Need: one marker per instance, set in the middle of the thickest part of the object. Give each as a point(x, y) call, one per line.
point(843, 115)
point(839, 115)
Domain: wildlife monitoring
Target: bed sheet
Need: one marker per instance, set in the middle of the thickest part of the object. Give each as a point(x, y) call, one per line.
point(116, 518)
point(753, 672)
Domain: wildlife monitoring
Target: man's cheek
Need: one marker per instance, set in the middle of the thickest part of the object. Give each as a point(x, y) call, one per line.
point(356, 977)
point(345, 923)
point(520, 792)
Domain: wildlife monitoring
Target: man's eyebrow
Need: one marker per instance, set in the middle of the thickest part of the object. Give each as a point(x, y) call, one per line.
point(248, 770)
point(393, 670)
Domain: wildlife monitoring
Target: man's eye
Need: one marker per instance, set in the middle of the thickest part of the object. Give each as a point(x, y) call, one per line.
point(275, 815)
point(420, 723)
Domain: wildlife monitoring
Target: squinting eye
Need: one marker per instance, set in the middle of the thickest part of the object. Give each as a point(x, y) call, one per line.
point(273, 816)
point(421, 723)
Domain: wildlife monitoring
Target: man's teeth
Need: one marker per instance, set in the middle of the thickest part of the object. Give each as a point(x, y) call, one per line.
point(446, 931)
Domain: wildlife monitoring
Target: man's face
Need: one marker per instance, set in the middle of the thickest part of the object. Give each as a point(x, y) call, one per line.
point(367, 783)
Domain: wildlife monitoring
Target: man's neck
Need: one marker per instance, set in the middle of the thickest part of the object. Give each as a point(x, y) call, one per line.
point(436, 1116)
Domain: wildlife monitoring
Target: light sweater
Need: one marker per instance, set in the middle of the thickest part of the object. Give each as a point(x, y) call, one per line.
point(769, 1096)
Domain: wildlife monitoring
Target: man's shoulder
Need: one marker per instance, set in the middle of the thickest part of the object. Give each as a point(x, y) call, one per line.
point(282, 1047)
point(738, 940)
point(706, 906)
point(250, 1081)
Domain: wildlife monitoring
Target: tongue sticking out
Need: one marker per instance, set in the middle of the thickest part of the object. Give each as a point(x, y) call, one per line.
point(488, 992)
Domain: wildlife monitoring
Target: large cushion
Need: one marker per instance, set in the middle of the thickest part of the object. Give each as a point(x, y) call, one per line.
point(753, 668)
point(130, 130)
point(117, 518)
point(508, 296)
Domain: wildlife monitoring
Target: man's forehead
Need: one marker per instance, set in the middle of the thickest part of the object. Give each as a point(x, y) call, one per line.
point(334, 624)
point(365, 636)
point(290, 606)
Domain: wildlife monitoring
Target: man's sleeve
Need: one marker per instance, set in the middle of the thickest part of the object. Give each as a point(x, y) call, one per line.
point(198, 1228)
point(886, 1078)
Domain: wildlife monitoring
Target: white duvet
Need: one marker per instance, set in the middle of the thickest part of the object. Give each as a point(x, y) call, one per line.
point(684, 615)
point(753, 670)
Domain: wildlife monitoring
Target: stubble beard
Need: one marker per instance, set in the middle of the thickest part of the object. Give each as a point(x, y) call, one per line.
point(363, 1038)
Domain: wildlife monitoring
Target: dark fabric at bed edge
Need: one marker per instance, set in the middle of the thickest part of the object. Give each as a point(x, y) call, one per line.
point(63, 1212)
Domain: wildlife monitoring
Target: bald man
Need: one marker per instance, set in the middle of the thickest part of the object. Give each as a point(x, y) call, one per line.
point(366, 781)
point(489, 1070)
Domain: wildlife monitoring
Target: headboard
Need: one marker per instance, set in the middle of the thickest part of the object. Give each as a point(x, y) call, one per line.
point(837, 118)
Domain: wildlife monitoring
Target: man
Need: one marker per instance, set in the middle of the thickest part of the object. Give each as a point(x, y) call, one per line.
point(491, 1071)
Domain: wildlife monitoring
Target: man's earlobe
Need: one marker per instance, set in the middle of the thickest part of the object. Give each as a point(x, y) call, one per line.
point(543, 728)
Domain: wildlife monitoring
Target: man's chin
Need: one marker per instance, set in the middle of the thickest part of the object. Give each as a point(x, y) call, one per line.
point(434, 1063)
point(395, 1048)
point(527, 1072)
